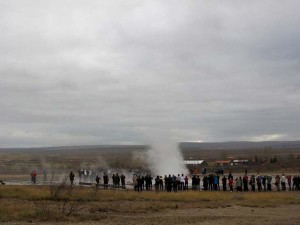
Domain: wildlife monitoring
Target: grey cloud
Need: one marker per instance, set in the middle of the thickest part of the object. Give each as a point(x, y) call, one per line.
point(105, 72)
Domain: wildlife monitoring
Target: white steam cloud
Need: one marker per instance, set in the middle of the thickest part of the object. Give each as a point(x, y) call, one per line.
point(164, 157)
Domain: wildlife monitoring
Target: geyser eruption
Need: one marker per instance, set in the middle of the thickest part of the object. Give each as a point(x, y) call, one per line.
point(164, 158)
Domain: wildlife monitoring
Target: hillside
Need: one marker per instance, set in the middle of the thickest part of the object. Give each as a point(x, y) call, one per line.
point(239, 145)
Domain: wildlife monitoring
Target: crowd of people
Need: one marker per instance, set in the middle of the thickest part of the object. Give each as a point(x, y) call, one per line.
point(214, 182)
point(85, 176)
point(207, 182)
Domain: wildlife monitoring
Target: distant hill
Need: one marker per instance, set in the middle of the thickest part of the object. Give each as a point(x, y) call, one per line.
point(232, 145)
point(101, 148)
point(239, 145)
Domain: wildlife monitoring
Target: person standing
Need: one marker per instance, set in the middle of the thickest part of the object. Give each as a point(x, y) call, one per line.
point(269, 181)
point(194, 182)
point(140, 182)
point(134, 181)
point(166, 182)
point(72, 176)
point(186, 183)
point(277, 182)
point(289, 179)
point(215, 182)
point(182, 182)
point(34, 176)
point(252, 182)
point(245, 181)
point(198, 183)
point(161, 183)
point(259, 181)
point(123, 181)
point(169, 183)
point(210, 181)
point(224, 181)
point(239, 184)
point(97, 180)
point(230, 183)
point(117, 177)
point(230, 175)
point(283, 182)
point(105, 181)
point(174, 183)
point(157, 184)
point(264, 182)
point(114, 180)
point(294, 188)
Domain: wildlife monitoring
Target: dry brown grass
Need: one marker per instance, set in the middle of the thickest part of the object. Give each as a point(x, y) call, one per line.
point(35, 202)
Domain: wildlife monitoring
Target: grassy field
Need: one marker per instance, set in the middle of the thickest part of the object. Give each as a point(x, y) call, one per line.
point(50, 204)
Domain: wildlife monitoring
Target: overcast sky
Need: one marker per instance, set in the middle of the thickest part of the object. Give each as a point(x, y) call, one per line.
point(129, 72)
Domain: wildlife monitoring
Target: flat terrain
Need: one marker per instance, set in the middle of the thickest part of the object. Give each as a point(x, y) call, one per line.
point(24, 203)
point(36, 205)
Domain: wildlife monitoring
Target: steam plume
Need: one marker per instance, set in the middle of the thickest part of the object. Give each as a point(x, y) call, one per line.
point(164, 157)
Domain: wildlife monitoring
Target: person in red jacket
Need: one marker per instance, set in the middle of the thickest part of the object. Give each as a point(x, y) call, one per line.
point(245, 182)
point(34, 176)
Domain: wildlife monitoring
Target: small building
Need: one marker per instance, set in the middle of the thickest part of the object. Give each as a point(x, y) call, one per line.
point(222, 162)
point(193, 162)
point(194, 166)
point(240, 162)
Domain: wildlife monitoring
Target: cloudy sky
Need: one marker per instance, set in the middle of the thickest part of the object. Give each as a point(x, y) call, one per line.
point(123, 72)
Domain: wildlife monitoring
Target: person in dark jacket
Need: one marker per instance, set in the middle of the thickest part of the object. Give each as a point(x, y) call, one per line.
point(123, 181)
point(169, 183)
point(186, 183)
point(264, 182)
point(210, 181)
point(245, 182)
point(224, 181)
point(72, 176)
point(205, 183)
point(105, 181)
point(140, 182)
point(252, 182)
point(97, 179)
